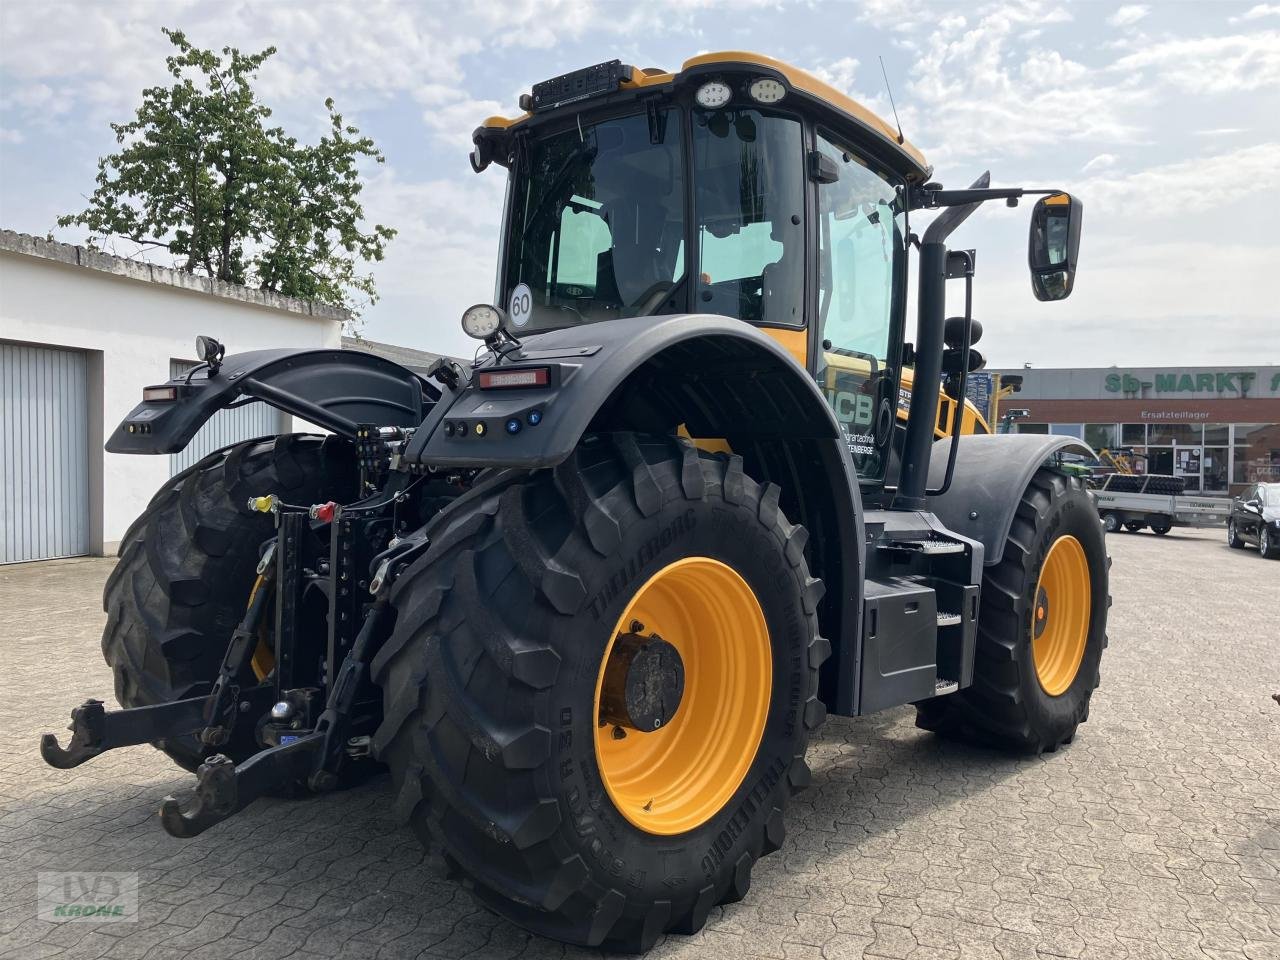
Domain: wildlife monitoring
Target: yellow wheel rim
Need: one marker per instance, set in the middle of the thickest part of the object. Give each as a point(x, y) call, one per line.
point(1060, 617)
point(264, 659)
point(673, 779)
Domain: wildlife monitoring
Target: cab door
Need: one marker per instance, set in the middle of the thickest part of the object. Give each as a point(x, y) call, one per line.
point(861, 274)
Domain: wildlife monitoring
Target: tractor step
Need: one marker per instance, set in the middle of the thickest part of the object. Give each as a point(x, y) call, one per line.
point(944, 686)
point(927, 547)
point(946, 619)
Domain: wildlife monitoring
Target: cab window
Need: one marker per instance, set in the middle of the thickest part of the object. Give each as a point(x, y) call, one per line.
point(749, 203)
point(861, 256)
point(597, 222)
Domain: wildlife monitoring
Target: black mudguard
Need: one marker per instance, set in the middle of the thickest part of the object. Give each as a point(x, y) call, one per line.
point(335, 389)
point(992, 471)
point(717, 376)
point(706, 371)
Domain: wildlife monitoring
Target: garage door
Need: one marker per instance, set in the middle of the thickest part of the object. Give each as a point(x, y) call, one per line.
point(225, 427)
point(44, 453)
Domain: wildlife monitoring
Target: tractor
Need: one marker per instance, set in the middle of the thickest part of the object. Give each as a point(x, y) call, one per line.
point(588, 596)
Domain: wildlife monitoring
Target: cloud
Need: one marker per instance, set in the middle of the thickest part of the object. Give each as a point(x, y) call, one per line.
point(1175, 190)
point(991, 98)
point(839, 73)
point(1157, 301)
point(8, 135)
point(442, 259)
point(1257, 12)
point(1233, 64)
point(1128, 15)
point(1101, 162)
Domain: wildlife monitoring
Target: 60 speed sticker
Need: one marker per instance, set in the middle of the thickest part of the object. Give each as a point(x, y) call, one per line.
point(520, 309)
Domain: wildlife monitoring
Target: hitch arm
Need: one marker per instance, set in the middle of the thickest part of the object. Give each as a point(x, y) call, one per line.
point(226, 691)
point(94, 730)
point(335, 721)
point(224, 789)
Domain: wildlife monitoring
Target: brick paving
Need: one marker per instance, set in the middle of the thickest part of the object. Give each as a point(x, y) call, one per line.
point(1156, 834)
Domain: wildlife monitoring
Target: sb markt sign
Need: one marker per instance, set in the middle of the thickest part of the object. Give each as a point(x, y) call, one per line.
point(1226, 381)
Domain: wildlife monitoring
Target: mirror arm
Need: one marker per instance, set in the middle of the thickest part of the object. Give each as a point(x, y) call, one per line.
point(931, 199)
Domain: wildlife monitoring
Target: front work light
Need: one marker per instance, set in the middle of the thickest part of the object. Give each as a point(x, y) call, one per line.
point(482, 321)
point(151, 394)
point(713, 95)
point(208, 349)
point(766, 90)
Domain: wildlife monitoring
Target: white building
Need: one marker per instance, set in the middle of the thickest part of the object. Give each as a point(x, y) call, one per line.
point(81, 333)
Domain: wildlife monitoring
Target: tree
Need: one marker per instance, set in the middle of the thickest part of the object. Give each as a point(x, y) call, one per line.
point(200, 174)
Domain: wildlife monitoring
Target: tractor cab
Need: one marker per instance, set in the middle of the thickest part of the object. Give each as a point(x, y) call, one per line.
point(737, 186)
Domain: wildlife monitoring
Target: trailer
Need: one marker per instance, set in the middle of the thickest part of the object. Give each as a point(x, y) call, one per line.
point(1155, 501)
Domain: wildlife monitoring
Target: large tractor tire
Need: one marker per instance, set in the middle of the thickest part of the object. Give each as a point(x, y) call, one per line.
point(187, 566)
point(535, 724)
point(1041, 627)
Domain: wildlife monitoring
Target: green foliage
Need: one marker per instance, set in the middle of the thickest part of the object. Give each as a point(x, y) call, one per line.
point(201, 174)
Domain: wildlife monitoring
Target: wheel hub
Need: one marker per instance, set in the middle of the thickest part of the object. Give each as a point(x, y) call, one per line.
point(643, 682)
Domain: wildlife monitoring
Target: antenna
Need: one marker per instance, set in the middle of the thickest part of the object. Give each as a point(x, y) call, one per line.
point(889, 90)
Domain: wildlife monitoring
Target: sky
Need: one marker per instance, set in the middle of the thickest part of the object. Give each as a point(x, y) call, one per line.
point(1163, 118)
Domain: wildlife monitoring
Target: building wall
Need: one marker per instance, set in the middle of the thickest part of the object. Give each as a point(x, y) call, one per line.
point(132, 320)
point(1217, 426)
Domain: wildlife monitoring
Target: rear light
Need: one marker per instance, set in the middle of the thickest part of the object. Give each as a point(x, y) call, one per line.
point(159, 393)
point(509, 379)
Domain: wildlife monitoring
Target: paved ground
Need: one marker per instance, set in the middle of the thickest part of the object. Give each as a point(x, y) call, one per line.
point(1156, 834)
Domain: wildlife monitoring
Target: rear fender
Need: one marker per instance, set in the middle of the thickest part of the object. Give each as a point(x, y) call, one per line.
point(716, 376)
point(639, 373)
point(335, 389)
point(992, 472)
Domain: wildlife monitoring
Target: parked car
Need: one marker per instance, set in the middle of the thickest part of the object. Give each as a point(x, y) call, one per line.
point(1255, 518)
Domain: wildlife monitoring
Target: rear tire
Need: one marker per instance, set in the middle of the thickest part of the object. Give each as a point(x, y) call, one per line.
point(187, 566)
point(490, 675)
point(1008, 706)
point(1110, 523)
point(1161, 527)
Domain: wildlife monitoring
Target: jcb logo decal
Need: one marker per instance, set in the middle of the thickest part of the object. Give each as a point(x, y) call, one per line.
point(855, 408)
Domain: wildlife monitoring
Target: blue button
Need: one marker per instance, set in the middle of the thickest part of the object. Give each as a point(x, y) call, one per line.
point(534, 417)
point(513, 425)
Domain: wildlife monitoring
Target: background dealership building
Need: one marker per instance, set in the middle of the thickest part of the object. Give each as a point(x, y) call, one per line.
point(1218, 427)
point(81, 333)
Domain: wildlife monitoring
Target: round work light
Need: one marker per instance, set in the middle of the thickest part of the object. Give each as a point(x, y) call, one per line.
point(713, 94)
point(481, 321)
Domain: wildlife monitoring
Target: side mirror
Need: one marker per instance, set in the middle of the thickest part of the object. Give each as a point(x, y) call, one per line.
point(1054, 245)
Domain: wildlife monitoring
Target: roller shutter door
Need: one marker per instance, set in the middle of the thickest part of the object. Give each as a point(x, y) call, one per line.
point(225, 427)
point(44, 453)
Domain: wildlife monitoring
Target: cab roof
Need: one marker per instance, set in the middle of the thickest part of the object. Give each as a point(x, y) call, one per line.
point(837, 110)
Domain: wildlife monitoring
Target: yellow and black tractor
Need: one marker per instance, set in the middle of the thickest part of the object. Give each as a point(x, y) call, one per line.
point(588, 596)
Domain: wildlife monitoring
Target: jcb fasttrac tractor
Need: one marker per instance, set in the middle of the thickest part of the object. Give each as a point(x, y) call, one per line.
point(589, 596)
